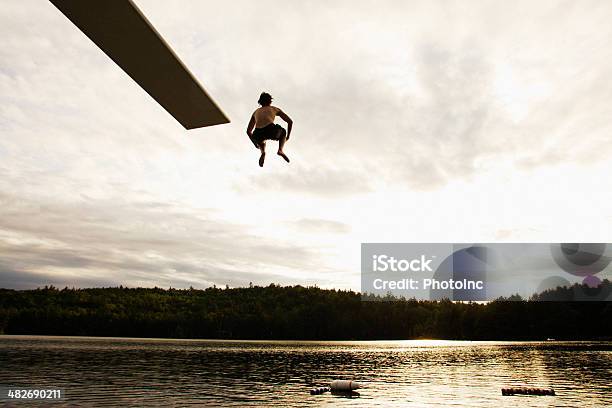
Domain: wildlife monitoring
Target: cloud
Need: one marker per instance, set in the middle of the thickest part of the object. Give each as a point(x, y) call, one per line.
point(138, 244)
point(315, 181)
point(18, 279)
point(321, 226)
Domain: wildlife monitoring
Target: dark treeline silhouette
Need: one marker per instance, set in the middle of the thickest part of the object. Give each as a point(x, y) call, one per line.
point(295, 312)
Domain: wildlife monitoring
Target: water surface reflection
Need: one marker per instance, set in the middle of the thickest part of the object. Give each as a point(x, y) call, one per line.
point(108, 372)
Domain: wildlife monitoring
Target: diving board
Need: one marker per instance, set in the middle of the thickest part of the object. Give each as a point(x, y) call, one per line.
point(122, 31)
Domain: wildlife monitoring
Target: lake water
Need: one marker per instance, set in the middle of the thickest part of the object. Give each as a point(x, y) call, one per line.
point(157, 372)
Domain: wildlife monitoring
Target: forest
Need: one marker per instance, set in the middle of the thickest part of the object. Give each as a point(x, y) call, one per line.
point(296, 312)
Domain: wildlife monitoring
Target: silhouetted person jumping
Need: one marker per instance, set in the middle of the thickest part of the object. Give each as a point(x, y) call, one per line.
point(265, 128)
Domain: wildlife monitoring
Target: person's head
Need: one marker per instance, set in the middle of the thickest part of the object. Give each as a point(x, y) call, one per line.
point(265, 99)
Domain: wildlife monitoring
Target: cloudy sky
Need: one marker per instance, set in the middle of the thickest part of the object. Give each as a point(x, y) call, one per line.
point(446, 121)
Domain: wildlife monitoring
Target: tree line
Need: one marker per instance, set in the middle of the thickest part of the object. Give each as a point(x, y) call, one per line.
point(296, 312)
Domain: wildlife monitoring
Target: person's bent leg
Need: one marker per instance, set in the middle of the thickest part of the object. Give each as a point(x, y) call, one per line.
point(281, 143)
point(262, 149)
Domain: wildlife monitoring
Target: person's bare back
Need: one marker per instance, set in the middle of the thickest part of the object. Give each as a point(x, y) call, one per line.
point(261, 127)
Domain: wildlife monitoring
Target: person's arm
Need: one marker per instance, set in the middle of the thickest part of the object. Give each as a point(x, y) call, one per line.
point(250, 126)
point(249, 130)
point(287, 119)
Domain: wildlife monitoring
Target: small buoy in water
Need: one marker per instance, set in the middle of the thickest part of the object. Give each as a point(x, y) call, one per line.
point(528, 391)
point(319, 390)
point(344, 385)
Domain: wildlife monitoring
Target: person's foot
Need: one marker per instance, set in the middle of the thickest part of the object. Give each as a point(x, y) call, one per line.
point(284, 156)
point(261, 159)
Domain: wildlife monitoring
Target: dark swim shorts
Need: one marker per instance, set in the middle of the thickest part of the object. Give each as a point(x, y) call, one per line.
point(270, 132)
